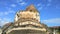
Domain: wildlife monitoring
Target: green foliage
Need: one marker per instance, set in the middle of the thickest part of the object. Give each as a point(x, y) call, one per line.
point(59, 30)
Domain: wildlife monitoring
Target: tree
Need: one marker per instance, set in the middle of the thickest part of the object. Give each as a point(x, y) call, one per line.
point(59, 30)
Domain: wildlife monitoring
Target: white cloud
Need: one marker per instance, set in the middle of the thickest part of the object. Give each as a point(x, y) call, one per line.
point(40, 8)
point(13, 5)
point(49, 0)
point(7, 12)
point(38, 4)
point(57, 7)
point(11, 11)
point(48, 4)
point(1, 13)
point(52, 22)
point(0, 19)
point(21, 2)
point(55, 20)
point(5, 20)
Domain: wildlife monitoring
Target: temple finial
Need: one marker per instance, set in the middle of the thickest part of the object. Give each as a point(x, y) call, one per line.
point(31, 8)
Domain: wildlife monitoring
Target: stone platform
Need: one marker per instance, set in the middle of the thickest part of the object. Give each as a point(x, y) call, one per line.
point(26, 31)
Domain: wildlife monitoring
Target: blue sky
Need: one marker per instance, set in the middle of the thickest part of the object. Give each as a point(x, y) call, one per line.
point(49, 10)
